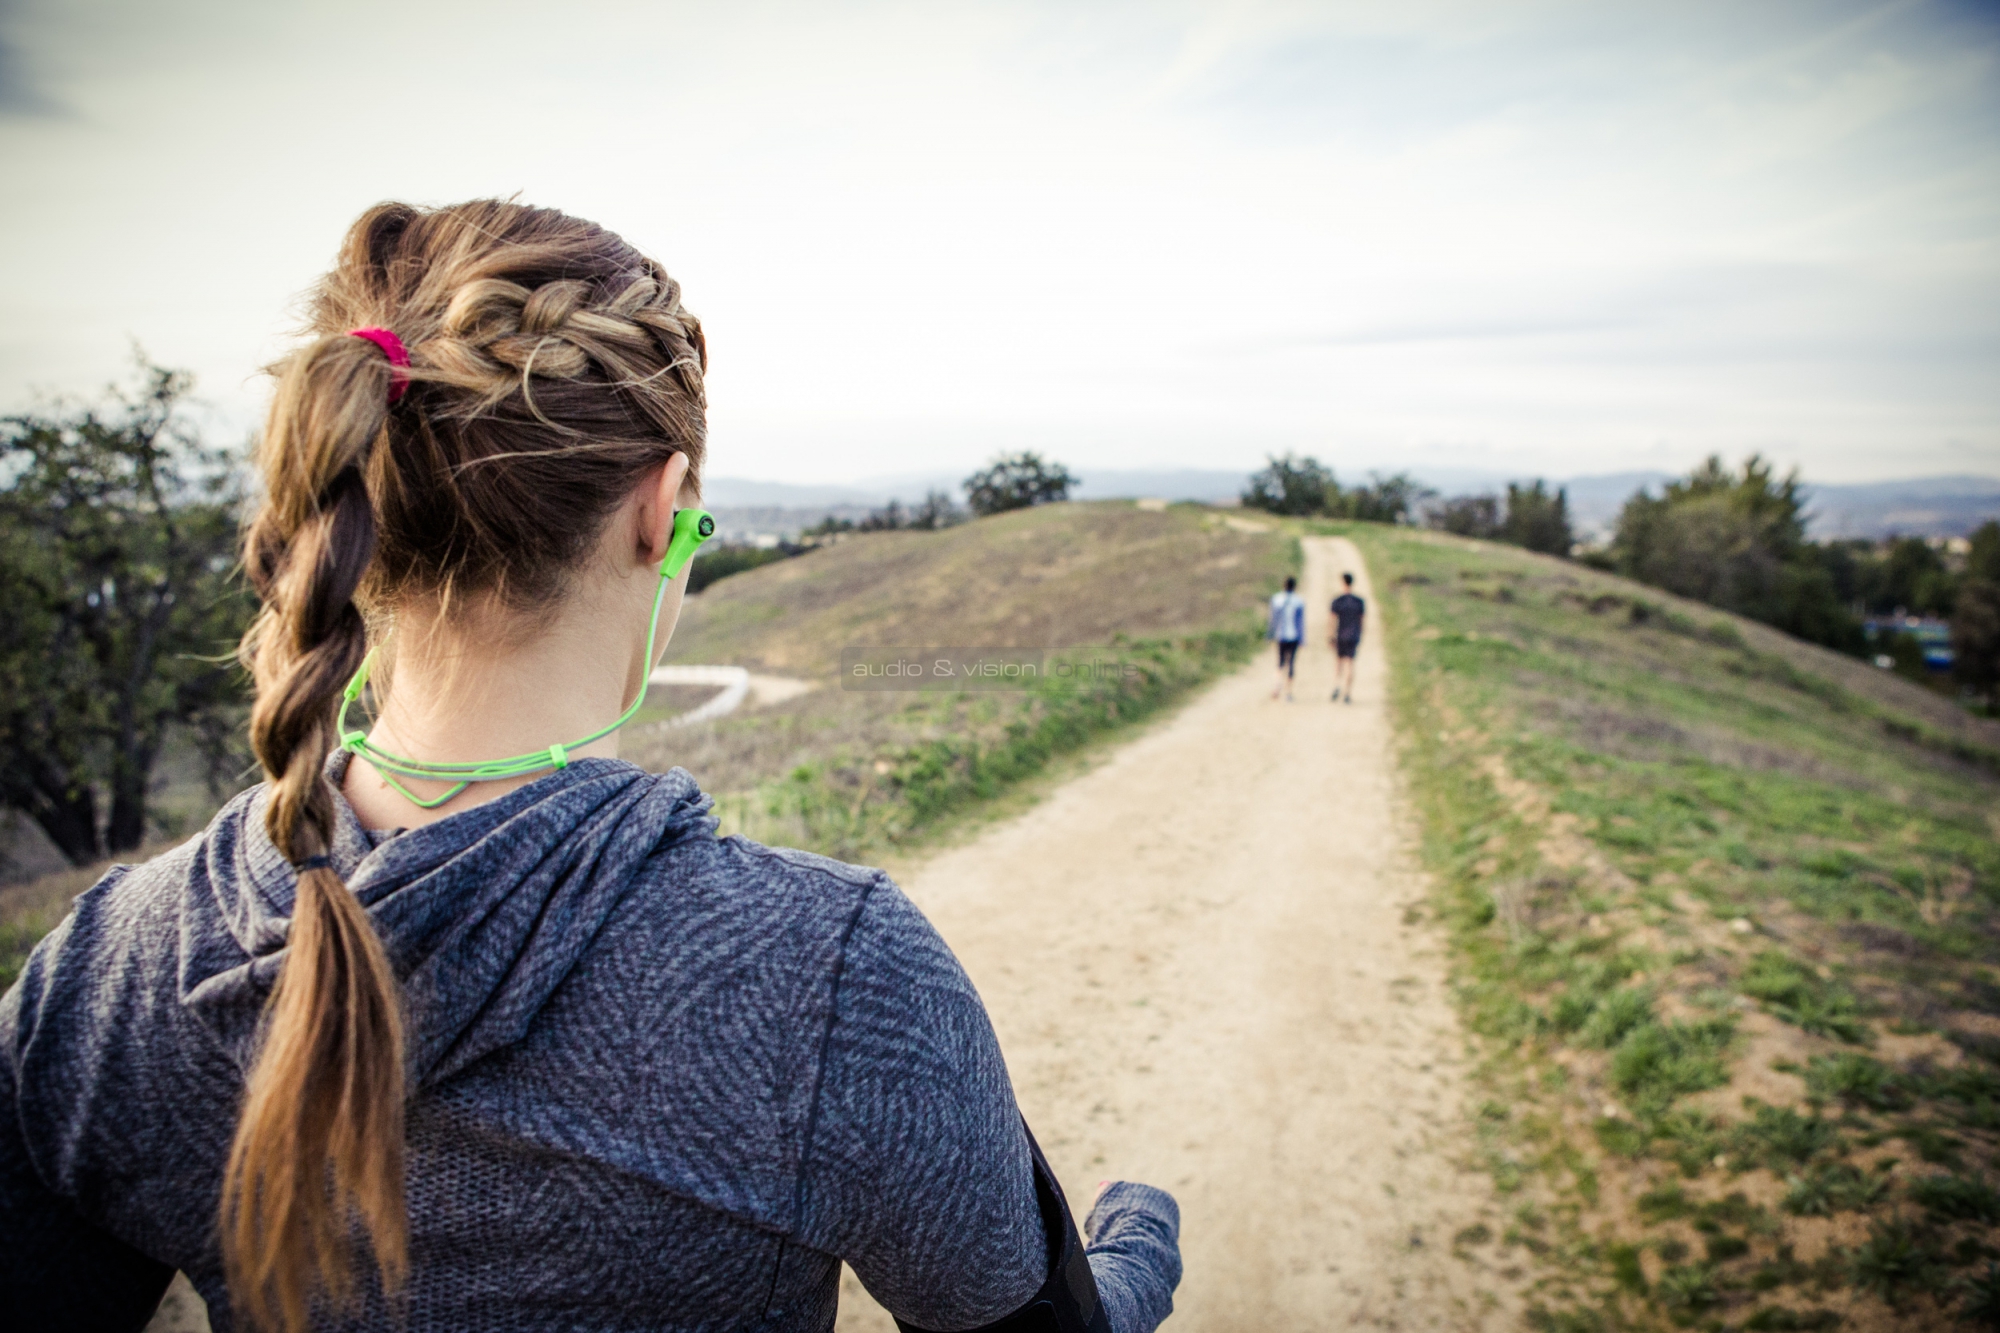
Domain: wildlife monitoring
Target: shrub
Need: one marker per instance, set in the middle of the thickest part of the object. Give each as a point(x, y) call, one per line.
point(1657, 1062)
point(1897, 1254)
point(1797, 995)
point(1834, 1188)
point(1616, 1015)
point(1780, 1133)
point(1626, 1270)
point(1687, 1287)
point(1856, 1078)
point(1959, 1198)
point(1932, 1144)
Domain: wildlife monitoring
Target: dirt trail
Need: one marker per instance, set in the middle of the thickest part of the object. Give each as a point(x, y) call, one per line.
point(1197, 959)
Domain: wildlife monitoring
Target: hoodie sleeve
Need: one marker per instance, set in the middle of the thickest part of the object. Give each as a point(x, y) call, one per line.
point(918, 1173)
point(57, 1269)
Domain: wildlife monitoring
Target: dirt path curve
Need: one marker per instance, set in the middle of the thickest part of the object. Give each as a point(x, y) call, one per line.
point(1197, 959)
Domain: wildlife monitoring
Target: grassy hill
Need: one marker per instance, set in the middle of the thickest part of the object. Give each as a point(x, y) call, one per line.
point(1178, 593)
point(1726, 911)
point(1065, 575)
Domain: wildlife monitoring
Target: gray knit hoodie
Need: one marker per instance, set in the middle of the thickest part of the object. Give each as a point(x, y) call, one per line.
point(660, 1080)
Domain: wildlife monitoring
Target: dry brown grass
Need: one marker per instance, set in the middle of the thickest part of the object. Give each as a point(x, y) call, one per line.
point(1053, 577)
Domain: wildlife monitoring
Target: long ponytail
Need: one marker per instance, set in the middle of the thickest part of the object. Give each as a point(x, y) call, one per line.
point(319, 1144)
point(553, 366)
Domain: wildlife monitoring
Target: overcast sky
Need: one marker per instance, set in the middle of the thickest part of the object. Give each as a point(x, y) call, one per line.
point(1508, 235)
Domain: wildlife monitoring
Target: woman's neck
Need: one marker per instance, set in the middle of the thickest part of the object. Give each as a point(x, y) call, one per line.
point(478, 688)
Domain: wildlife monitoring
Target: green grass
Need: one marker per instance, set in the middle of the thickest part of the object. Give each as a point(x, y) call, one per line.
point(862, 801)
point(1745, 895)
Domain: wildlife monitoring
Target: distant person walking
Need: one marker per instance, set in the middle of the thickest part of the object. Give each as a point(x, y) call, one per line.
point(1347, 612)
point(1288, 630)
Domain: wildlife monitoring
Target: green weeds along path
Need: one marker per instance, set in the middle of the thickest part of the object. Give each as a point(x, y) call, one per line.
point(949, 753)
point(1726, 914)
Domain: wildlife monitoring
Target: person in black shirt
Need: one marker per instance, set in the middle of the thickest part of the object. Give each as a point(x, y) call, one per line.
point(1347, 612)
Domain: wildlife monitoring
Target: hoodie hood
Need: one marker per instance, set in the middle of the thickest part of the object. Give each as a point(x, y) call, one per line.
point(483, 913)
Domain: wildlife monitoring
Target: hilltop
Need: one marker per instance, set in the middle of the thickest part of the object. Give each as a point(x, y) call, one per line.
point(1178, 590)
point(1055, 576)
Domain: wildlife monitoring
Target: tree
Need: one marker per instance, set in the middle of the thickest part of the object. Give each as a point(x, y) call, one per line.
point(118, 606)
point(1975, 616)
point(1538, 520)
point(886, 519)
point(937, 511)
point(1982, 560)
point(1383, 500)
point(1736, 542)
point(1305, 486)
point(1017, 481)
point(1290, 485)
point(1912, 578)
point(1975, 636)
point(1466, 516)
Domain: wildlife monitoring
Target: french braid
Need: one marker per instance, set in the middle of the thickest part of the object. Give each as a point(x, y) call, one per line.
point(551, 367)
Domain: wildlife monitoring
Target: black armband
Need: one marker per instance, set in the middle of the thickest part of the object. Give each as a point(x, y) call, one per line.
point(1067, 1301)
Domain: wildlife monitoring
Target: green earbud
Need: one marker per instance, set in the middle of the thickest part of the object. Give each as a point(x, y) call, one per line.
point(692, 527)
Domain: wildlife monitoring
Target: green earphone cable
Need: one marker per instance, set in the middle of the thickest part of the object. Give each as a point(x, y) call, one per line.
point(692, 527)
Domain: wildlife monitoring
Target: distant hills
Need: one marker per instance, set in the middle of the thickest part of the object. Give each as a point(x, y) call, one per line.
point(1948, 506)
point(1921, 507)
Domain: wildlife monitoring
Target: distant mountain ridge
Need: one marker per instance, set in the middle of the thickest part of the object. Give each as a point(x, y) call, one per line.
point(1944, 506)
point(1950, 506)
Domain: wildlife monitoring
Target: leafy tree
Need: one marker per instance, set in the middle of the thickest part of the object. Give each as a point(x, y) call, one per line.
point(1466, 516)
point(1529, 517)
point(1305, 486)
point(118, 609)
point(1736, 541)
point(719, 560)
point(829, 526)
point(1538, 520)
point(1975, 636)
point(1384, 500)
point(1975, 616)
point(886, 519)
point(1290, 485)
point(1912, 577)
point(1983, 560)
point(1017, 481)
point(937, 511)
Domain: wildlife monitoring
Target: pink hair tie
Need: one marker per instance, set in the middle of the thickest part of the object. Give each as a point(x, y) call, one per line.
point(399, 357)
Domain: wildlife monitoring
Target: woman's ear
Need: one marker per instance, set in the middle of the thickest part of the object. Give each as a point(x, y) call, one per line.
point(658, 496)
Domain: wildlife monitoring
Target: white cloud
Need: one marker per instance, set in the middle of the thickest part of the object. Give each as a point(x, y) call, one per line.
point(1545, 237)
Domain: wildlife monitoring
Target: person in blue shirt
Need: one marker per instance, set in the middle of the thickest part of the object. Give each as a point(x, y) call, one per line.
point(1347, 613)
point(1287, 630)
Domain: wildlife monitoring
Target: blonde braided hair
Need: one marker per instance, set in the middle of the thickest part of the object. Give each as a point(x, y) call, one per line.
point(551, 367)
